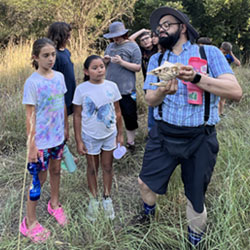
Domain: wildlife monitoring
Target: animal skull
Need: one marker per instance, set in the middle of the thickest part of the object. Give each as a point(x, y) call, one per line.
point(167, 71)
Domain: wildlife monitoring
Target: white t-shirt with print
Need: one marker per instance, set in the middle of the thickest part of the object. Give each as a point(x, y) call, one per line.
point(47, 95)
point(98, 111)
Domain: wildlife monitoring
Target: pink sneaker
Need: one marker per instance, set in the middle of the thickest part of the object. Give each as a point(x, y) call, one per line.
point(38, 234)
point(59, 214)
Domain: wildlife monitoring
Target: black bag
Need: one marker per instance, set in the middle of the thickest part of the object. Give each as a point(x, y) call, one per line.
point(180, 142)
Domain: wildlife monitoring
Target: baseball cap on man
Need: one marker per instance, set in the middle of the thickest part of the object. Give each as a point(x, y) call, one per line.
point(163, 11)
point(116, 29)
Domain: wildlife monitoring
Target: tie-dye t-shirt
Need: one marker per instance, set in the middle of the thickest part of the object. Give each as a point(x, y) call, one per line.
point(47, 95)
point(98, 111)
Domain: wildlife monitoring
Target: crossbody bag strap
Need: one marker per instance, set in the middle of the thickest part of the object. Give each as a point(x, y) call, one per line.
point(207, 94)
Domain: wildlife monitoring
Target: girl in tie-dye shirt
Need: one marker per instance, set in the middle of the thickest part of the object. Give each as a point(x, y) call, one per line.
point(47, 129)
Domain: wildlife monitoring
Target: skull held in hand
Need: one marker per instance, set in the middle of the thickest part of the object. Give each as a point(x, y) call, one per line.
point(167, 71)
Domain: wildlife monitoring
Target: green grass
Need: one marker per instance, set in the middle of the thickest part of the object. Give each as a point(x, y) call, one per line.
point(227, 198)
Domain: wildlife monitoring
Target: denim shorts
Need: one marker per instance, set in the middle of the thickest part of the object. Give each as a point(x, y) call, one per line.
point(55, 153)
point(95, 146)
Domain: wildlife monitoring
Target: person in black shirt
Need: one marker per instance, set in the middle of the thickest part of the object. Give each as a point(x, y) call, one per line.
point(59, 33)
point(146, 45)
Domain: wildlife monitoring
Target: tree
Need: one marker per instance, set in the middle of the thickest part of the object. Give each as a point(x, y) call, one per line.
point(90, 18)
point(221, 20)
point(143, 10)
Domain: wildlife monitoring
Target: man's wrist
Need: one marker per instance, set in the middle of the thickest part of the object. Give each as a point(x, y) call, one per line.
point(161, 94)
point(197, 78)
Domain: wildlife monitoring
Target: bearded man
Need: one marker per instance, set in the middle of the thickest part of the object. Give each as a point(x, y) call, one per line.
point(185, 132)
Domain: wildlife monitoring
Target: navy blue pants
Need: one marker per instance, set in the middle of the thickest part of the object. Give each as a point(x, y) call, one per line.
point(196, 167)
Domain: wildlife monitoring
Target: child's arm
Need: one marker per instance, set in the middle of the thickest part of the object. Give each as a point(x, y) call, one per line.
point(119, 137)
point(33, 153)
point(138, 33)
point(66, 124)
point(128, 65)
point(236, 61)
point(81, 149)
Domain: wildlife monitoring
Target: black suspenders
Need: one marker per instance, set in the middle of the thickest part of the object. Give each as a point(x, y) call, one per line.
point(207, 94)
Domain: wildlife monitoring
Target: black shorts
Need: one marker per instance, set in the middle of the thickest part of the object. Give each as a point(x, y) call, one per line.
point(129, 112)
point(196, 170)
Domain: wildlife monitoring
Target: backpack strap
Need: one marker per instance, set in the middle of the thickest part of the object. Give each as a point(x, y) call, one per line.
point(160, 59)
point(207, 94)
point(159, 63)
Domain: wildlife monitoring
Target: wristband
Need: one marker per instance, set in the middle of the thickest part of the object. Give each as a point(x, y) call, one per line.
point(196, 79)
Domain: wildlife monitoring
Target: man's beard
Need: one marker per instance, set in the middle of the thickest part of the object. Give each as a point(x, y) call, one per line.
point(169, 41)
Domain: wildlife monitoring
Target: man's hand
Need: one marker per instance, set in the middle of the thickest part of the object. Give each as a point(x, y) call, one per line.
point(170, 88)
point(186, 73)
point(156, 97)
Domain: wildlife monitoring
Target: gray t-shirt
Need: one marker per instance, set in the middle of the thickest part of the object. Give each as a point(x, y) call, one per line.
point(124, 78)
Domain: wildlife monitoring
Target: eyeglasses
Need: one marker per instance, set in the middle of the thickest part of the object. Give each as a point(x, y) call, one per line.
point(166, 25)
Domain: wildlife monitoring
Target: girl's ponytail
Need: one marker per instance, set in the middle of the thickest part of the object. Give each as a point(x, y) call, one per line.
point(86, 78)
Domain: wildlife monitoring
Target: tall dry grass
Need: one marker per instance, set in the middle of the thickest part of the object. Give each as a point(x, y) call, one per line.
point(227, 197)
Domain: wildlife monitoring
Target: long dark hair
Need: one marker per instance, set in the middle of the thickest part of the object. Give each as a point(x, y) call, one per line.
point(36, 49)
point(87, 63)
point(59, 33)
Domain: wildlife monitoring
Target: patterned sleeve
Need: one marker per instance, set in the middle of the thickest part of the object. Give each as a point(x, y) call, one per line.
point(63, 82)
point(29, 93)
